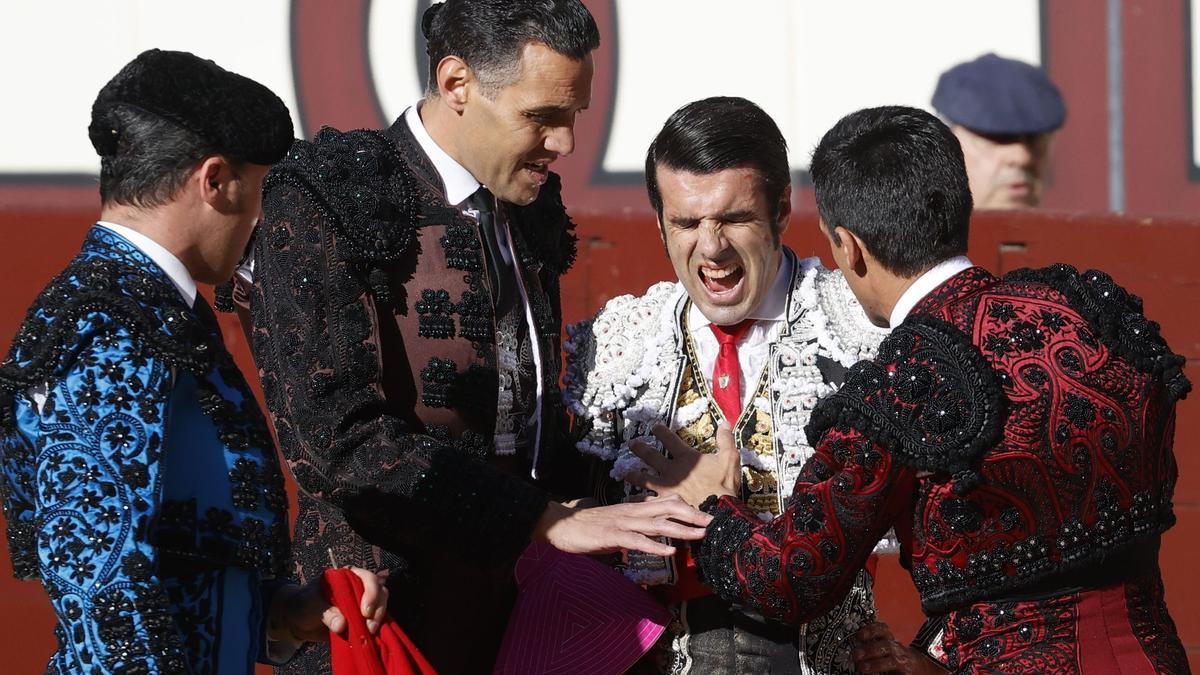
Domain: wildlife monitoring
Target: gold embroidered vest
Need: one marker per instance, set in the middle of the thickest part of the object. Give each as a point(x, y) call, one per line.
point(751, 431)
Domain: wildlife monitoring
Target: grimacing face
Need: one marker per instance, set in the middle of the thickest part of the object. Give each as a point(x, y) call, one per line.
point(510, 139)
point(1005, 172)
point(719, 236)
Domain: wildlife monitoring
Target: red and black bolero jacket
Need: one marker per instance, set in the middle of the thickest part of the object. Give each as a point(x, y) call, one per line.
point(1014, 431)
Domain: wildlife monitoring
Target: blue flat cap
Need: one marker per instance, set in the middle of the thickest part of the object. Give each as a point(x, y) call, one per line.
point(995, 95)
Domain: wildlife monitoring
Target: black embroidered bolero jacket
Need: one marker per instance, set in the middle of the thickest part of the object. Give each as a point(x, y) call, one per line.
point(373, 331)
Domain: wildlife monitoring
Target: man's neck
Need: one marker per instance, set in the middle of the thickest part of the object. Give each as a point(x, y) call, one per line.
point(891, 289)
point(161, 224)
point(442, 124)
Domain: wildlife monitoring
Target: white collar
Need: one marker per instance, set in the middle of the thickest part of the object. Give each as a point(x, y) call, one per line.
point(459, 182)
point(166, 260)
point(924, 285)
point(772, 308)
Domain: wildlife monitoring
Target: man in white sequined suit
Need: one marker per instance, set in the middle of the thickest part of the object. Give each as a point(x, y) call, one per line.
point(750, 337)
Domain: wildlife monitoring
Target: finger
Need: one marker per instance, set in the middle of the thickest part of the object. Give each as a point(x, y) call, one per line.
point(876, 649)
point(875, 630)
point(728, 454)
point(653, 458)
point(672, 442)
point(371, 594)
point(725, 439)
point(669, 528)
point(385, 595)
point(333, 620)
point(637, 542)
point(677, 509)
point(887, 664)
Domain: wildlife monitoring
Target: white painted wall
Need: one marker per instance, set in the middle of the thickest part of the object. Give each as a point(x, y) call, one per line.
point(57, 54)
point(807, 62)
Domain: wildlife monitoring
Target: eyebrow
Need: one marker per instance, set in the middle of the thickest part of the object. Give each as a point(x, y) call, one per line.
point(739, 216)
point(549, 109)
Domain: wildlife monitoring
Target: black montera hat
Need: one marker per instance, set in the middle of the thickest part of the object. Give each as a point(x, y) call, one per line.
point(241, 118)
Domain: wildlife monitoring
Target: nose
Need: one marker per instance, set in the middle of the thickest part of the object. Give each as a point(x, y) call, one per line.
point(712, 241)
point(561, 140)
point(1020, 153)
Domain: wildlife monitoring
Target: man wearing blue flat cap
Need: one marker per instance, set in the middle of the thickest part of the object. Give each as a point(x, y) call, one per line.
point(1004, 113)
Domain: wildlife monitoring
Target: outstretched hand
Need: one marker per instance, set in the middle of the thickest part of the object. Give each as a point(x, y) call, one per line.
point(687, 472)
point(632, 526)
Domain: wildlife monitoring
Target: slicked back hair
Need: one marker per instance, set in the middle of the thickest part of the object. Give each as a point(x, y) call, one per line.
point(719, 133)
point(894, 176)
point(153, 160)
point(490, 34)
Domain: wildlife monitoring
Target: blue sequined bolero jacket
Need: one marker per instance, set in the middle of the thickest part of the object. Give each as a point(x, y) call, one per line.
point(91, 411)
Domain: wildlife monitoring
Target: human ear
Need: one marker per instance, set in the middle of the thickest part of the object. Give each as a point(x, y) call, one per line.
point(217, 183)
point(852, 250)
point(453, 76)
point(785, 211)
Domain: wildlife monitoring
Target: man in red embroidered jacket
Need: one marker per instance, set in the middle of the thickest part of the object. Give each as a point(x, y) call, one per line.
point(1015, 431)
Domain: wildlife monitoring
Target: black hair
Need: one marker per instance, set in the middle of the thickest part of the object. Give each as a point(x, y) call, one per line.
point(894, 176)
point(152, 160)
point(489, 34)
point(718, 133)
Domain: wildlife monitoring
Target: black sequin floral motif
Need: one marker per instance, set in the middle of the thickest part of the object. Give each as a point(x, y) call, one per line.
point(435, 311)
point(963, 515)
point(1027, 336)
point(969, 625)
point(1080, 411)
point(436, 380)
point(1002, 311)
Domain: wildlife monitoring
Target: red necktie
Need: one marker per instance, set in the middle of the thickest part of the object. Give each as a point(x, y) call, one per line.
point(726, 378)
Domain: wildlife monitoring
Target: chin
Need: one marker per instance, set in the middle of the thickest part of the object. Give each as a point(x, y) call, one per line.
point(517, 195)
point(723, 315)
point(530, 196)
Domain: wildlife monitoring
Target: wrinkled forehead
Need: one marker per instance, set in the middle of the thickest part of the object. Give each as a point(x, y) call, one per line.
point(718, 194)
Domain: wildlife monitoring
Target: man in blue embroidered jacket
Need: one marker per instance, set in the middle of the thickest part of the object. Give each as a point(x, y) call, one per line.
point(140, 483)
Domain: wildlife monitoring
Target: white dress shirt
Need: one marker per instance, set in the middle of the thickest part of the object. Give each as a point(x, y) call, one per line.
point(755, 345)
point(925, 284)
point(166, 260)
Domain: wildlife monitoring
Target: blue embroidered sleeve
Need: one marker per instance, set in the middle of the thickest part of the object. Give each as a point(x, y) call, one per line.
point(96, 494)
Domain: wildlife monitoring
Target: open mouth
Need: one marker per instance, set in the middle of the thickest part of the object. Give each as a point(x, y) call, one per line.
point(538, 171)
point(721, 282)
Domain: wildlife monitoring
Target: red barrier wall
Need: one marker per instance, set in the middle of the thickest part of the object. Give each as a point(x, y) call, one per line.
point(1155, 258)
